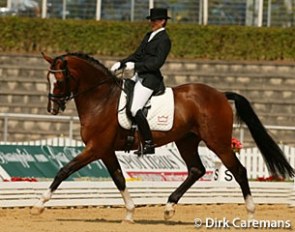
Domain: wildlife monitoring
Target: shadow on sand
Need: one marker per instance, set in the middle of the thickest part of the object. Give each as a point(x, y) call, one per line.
point(142, 222)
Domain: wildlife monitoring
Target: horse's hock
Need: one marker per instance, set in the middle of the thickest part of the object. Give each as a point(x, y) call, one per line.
point(269, 86)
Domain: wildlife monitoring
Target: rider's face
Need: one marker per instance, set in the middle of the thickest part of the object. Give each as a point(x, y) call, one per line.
point(157, 24)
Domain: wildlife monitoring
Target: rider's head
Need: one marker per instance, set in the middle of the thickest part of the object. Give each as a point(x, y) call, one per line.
point(158, 18)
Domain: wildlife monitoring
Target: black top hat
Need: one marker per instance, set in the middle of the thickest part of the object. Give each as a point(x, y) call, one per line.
point(158, 13)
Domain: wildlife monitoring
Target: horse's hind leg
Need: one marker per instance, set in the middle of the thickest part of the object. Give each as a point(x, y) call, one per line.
point(115, 171)
point(217, 134)
point(188, 148)
point(240, 174)
point(74, 165)
point(233, 164)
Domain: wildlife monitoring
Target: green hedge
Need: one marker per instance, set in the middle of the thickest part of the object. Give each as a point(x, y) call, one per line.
point(27, 35)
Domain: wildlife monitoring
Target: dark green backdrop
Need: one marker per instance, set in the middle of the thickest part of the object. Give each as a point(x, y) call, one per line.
point(33, 35)
point(45, 161)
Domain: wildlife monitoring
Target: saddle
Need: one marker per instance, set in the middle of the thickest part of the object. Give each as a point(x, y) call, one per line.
point(128, 89)
point(156, 114)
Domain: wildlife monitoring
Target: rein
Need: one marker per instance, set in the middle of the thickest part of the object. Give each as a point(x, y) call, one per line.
point(71, 96)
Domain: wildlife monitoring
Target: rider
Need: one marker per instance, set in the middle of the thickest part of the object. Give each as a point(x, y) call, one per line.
point(146, 61)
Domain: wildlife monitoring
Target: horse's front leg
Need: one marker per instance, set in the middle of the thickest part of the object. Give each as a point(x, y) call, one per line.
point(74, 165)
point(115, 171)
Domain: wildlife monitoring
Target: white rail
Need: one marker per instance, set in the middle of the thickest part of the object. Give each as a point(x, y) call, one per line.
point(74, 119)
point(25, 194)
point(7, 116)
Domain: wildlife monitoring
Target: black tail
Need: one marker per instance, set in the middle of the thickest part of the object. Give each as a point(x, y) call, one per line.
point(274, 157)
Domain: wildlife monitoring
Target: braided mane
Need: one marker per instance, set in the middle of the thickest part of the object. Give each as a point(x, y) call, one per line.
point(92, 61)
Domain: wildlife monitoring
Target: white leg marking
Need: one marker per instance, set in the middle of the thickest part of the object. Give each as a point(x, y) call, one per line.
point(250, 206)
point(130, 207)
point(169, 211)
point(38, 208)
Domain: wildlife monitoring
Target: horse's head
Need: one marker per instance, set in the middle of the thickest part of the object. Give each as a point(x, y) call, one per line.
point(76, 75)
point(58, 78)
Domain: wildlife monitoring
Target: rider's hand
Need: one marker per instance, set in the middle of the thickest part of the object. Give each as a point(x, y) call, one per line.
point(116, 66)
point(129, 66)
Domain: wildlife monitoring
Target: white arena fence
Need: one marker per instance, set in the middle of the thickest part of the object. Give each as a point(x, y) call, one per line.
point(74, 194)
point(252, 159)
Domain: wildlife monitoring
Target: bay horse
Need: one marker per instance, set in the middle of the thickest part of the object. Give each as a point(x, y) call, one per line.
point(202, 113)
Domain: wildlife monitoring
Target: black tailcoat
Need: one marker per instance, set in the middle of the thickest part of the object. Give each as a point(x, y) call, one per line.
point(149, 57)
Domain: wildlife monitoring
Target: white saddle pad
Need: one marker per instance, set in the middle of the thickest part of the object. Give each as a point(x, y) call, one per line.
point(160, 115)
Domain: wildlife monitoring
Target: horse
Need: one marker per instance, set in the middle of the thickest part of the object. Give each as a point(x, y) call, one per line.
point(202, 113)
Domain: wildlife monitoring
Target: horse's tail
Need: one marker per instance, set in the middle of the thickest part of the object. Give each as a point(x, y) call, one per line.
point(274, 157)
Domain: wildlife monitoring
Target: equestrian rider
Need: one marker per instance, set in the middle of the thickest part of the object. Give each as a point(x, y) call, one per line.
point(146, 61)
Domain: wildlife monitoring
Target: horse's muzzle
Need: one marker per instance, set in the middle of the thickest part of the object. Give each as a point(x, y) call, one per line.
point(52, 108)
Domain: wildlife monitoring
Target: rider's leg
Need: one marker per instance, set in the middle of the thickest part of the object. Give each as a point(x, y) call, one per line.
point(140, 96)
point(145, 132)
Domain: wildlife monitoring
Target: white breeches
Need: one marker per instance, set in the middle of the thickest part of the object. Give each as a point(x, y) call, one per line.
point(141, 95)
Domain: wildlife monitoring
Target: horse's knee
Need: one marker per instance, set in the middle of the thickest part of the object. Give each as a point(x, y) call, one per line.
point(197, 172)
point(194, 174)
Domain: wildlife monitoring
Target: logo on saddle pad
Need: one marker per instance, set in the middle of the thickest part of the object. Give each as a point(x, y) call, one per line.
point(160, 115)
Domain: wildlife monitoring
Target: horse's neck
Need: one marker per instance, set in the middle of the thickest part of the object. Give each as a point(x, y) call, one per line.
point(94, 102)
point(95, 92)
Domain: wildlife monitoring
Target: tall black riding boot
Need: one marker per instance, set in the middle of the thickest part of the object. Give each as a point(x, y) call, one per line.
point(145, 131)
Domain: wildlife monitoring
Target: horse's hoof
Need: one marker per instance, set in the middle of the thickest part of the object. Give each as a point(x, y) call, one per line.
point(37, 210)
point(169, 211)
point(169, 214)
point(128, 221)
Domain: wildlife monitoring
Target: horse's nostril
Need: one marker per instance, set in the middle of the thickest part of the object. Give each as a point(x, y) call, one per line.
point(52, 108)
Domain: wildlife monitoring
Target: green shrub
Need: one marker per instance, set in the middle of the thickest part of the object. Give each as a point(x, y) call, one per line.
point(191, 41)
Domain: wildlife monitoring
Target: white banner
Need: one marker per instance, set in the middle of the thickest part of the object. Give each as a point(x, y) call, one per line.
point(165, 165)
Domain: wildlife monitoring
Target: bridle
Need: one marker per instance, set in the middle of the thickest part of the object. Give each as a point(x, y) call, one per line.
point(62, 98)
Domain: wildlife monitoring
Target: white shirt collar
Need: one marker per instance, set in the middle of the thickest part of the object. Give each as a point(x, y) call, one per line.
point(155, 32)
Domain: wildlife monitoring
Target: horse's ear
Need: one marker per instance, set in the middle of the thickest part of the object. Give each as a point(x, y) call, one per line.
point(47, 58)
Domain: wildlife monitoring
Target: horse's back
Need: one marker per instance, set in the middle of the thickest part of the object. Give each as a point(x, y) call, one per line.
point(200, 92)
